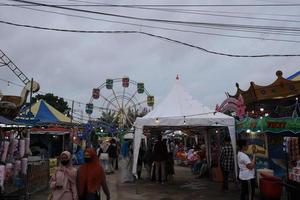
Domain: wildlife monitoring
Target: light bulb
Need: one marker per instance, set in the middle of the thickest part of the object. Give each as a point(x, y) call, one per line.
point(157, 120)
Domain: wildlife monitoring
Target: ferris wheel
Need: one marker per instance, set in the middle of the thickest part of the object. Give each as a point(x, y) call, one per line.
point(121, 98)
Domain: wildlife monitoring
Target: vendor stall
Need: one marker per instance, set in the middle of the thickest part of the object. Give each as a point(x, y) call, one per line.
point(179, 111)
point(268, 117)
point(14, 152)
point(277, 146)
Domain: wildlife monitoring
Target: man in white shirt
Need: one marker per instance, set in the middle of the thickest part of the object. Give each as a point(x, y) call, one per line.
point(247, 171)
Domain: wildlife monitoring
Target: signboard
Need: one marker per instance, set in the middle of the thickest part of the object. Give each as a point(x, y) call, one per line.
point(266, 124)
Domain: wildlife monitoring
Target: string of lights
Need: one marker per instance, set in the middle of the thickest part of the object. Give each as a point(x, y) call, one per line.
point(151, 35)
point(80, 116)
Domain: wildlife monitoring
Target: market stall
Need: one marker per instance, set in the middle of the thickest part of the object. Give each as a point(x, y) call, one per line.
point(180, 111)
point(14, 152)
point(277, 146)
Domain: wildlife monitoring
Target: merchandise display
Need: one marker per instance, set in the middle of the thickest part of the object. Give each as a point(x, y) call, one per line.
point(14, 161)
point(293, 152)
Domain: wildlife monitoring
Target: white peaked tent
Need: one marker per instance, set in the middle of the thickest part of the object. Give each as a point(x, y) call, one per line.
point(179, 109)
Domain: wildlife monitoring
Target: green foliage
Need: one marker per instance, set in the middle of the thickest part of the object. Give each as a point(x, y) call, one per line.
point(59, 103)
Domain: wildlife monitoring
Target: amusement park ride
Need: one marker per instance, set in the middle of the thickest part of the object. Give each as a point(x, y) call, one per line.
point(121, 98)
point(11, 105)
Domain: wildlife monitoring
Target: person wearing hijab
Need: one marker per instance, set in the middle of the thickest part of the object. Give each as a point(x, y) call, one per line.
point(63, 182)
point(91, 177)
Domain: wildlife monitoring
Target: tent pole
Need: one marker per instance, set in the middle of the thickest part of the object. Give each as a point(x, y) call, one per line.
point(208, 152)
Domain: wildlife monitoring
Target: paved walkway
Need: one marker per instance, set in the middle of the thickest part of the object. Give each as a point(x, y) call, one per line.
point(184, 187)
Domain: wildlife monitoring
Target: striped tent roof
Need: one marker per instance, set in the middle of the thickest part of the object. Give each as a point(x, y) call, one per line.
point(295, 77)
point(44, 112)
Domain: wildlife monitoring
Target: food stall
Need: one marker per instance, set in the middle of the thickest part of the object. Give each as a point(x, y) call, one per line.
point(276, 141)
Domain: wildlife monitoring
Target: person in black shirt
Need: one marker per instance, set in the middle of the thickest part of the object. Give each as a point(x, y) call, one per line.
point(160, 155)
point(112, 153)
point(226, 161)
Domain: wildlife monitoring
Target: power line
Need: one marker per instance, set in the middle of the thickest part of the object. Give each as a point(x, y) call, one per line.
point(43, 93)
point(167, 21)
point(201, 26)
point(154, 36)
point(191, 5)
point(179, 30)
point(188, 11)
point(198, 12)
point(65, 98)
point(157, 9)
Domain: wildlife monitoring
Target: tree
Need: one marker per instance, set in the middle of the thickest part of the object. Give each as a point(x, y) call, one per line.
point(57, 102)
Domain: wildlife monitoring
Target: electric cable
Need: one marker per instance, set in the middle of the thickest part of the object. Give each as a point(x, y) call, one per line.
point(181, 30)
point(165, 21)
point(154, 36)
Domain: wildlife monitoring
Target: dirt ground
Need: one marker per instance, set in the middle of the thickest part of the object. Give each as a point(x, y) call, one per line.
point(184, 187)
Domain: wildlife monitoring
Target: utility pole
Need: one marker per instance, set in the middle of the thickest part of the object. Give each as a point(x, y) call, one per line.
point(72, 111)
point(30, 100)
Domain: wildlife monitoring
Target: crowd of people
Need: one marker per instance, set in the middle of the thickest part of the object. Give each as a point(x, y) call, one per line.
point(157, 159)
point(81, 176)
point(160, 156)
point(159, 162)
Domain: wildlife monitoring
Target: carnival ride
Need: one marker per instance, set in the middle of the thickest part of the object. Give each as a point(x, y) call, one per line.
point(10, 105)
point(121, 100)
point(233, 105)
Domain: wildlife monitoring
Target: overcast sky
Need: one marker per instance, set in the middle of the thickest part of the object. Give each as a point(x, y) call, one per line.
point(71, 64)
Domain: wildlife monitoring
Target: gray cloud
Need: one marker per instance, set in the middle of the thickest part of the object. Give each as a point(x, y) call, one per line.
point(70, 64)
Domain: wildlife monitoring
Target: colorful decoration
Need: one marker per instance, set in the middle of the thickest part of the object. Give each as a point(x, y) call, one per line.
point(140, 88)
point(89, 108)
point(150, 100)
point(279, 89)
point(109, 83)
point(125, 82)
point(295, 77)
point(266, 124)
point(120, 98)
point(233, 105)
point(43, 112)
point(96, 93)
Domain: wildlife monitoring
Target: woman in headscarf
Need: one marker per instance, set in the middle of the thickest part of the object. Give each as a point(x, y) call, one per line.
point(63, 182)
point(91, 177)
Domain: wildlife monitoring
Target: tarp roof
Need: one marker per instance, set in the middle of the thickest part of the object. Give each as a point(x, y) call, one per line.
point(180, 109)
point(177, 104)
point(295, 77)
point(43, 112)
point(6, 121)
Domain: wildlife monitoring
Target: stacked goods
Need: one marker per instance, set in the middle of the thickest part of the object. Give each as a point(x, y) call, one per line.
point(294, 157)
point(295, 173)
point(14, 150)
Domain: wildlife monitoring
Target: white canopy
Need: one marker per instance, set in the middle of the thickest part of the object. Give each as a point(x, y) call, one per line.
point(179, 109)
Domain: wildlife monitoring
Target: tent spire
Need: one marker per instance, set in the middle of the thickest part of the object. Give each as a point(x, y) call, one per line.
point(177, 77)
